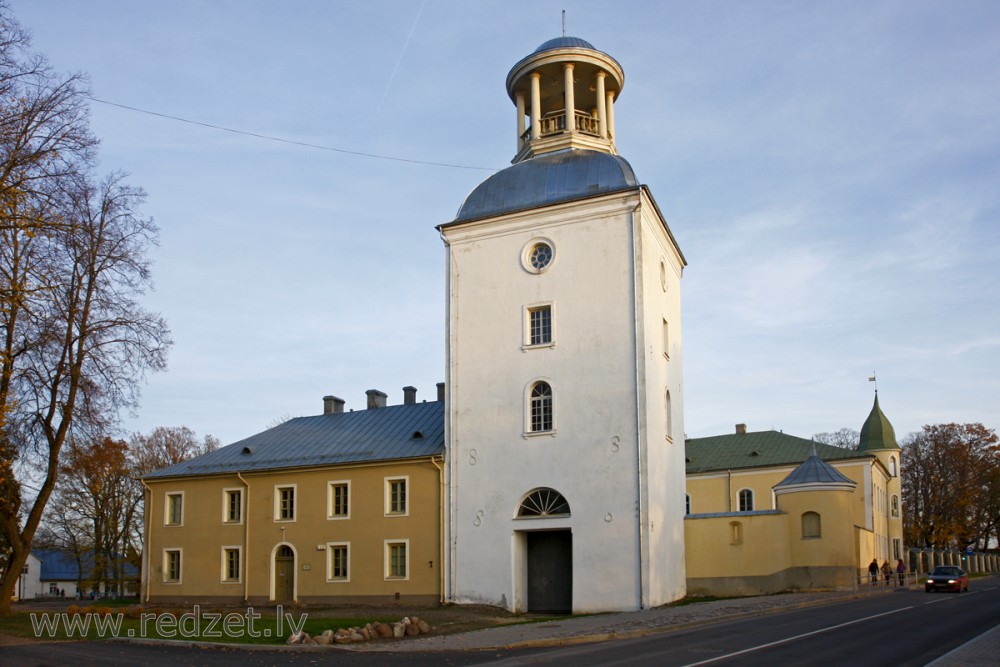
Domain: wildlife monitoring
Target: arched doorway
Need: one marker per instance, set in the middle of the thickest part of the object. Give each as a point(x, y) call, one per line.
point(284, 574)
point(549, 553)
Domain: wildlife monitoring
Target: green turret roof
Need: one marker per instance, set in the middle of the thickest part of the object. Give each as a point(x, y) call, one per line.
point(877, 432)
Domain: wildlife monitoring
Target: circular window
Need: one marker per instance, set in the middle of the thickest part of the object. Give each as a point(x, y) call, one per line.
point(538, 256)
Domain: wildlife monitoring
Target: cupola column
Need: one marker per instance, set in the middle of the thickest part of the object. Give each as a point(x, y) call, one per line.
point(520, 119)
point(602, 108)
point(611, 115)
point(570, 97)
point(536, 105)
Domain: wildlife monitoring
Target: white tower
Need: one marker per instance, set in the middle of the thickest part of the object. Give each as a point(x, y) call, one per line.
point(564, 426)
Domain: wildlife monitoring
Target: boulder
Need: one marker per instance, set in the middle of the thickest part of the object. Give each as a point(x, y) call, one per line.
point(296, 638)
point(411, 630)
point(383, 629)
point(342, 639)
point(398, 630)
point(323, 639)
point(424, 626)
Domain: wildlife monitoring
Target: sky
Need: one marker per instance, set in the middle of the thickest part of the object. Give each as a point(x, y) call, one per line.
point(830, 170)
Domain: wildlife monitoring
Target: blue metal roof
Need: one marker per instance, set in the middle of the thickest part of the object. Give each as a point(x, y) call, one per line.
point(565, 42)
point(815, 470)
point(62, 565)
point(380, 434)
point(548, 179)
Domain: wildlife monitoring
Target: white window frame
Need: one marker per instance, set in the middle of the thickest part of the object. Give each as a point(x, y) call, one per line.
point(277, 503)
point(330, 547)
point(528, 390)
point(388, 495)
point(739, 499)
point(225, 505)
point(666, 339)
point(894, 506)
point(330, 497)
point(387, 555)
point(528, 310)
point(180, 565)
point(224, 574)
point(668, 408)
point(167, 507)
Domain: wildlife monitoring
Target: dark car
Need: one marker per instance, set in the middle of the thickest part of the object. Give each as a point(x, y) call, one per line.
point(947, 578)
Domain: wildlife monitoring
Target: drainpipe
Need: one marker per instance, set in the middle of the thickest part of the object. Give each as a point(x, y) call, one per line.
point(440, 529)
point(448, 565)
point(146, 534)
point(729, 494)
point(246, 542)
point(639, 431)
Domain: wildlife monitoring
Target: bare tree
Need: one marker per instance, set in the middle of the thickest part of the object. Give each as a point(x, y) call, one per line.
point(847, 438)
point(165, 446)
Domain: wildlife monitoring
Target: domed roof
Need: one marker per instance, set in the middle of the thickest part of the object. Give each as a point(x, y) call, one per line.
point(877, 433)
point(548, 179)
point(565, 42)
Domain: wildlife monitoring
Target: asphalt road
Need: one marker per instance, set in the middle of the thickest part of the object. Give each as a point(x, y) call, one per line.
point(904, 628)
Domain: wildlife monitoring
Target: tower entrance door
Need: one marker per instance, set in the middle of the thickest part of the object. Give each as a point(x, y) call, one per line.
point(284, 574)
point(550, 571)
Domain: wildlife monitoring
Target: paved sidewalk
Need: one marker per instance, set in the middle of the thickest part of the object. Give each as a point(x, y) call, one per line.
point(983, 651)
point(601, 627)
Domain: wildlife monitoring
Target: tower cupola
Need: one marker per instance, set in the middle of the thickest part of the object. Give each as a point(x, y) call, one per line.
point(565, 93)
point(877, 433)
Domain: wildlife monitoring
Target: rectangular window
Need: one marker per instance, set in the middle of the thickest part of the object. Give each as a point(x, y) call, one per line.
point(231, 564)
point(395, 492)
point(396, 560)
point(284, 503)
point(174, 509)
point(338, 499)
point(338, 561)
point(666, 339)
point(172, 566)
point(232, 505)
point(540, 325)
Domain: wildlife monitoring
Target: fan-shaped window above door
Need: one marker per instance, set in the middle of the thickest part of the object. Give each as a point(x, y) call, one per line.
point(543, 502)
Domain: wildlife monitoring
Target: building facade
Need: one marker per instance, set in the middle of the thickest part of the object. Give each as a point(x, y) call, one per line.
point(564, 390)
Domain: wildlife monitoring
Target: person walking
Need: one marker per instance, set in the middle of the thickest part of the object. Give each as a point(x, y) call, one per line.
point(873, 571)
point(887, 572)
point(901, 571)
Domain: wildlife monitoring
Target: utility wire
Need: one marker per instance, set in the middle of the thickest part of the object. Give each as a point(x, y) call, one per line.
point(285, 141)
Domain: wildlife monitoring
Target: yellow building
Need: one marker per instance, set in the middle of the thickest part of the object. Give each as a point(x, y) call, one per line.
point(771, 512)
point(338, 507)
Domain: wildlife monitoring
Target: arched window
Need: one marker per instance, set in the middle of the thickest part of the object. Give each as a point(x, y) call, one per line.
point(543, 502)
point(735, 532)
point(746, 500)
point(895, 507)
point(668, 409)
point(810, 525)
point(892, 466)
point(540, 407)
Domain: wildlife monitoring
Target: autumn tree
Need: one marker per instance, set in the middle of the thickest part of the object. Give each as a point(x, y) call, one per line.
point(950, 473)
point(166, 445)
point(74, 340)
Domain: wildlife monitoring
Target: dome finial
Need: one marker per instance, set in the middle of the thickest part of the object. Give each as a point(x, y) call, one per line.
point(564, 22)
point(872, 379)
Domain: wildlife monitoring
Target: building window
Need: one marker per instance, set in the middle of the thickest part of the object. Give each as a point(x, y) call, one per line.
point(666, 339)
point(395, 496)
point(897, 548)
point(746, 500)
point(668, 415)
point(396, 565)
point(172, 566)
point(232, 505)
point(338, 561)
point(543, 503)
point(540, 325)
point(540, 408)
point(687, 503)
point(338, 500)
point(174, 509)
point(892, 466)
point(231, 564)
point(810, 525)
point(735, 532)
point(284, 503)
point(895, 507)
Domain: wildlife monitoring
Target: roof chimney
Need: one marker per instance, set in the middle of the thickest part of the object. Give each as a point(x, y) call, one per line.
point(440, 386)
point(741, 429)
point(376, 398)
point(409, 395)
point(332, 405)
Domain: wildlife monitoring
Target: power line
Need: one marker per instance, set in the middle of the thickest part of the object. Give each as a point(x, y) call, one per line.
point(285, 141)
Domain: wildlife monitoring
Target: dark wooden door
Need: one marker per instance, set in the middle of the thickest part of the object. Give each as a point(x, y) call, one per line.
point(550, 571)
point(284, 574)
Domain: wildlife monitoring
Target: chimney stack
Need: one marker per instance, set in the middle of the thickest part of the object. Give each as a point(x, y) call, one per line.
point(409, 395)
point(332, 405)
point(440, 386)
point(741, 429)
point(376, 398)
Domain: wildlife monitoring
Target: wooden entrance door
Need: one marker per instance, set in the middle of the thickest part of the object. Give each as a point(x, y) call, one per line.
point(284, 573)
point(550, 571)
